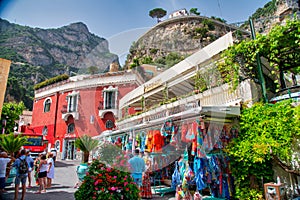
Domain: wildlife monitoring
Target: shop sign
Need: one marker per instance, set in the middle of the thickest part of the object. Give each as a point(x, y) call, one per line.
point(190, 106)
point(153, 85)
point(72, 135)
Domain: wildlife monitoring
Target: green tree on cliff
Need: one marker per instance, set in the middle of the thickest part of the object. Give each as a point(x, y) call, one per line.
point(194, 11)
point(157, 13)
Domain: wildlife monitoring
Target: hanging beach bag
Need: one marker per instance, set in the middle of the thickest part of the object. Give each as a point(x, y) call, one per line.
point(176, 179)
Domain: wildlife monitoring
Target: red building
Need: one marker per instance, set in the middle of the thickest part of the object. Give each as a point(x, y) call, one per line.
point(85, 104)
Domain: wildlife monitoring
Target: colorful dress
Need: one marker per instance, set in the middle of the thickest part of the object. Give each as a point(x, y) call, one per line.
point(146, 192)
point(36, 166)
point(50, 174)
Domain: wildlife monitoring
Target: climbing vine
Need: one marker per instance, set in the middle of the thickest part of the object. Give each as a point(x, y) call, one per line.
point(267, 135)
point(281, 48)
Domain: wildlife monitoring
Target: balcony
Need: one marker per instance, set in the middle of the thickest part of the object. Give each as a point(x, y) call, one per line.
point(221, 102)
point(66, 114)
point(103, 111)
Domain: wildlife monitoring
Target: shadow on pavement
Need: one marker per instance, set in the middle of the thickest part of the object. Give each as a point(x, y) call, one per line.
point(44, 196)
point(65, 163)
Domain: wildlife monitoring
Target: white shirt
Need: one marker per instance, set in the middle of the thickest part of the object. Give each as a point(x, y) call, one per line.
point(54, 153)
point(44, 167)
point(3, 164)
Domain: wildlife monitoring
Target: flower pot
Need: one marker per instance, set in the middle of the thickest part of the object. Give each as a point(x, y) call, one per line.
point(11, 177)
point(81, 171)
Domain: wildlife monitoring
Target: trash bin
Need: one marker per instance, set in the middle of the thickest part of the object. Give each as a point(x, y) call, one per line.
point(274, 191)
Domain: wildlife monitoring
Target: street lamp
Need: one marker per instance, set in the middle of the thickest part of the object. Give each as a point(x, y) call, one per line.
point(4, 121)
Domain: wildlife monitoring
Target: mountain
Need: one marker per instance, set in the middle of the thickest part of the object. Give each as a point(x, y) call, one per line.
point(71, 45)
point(174, 39)
point(38, 54)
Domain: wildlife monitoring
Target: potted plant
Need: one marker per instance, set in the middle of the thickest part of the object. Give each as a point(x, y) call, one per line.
point(105, 182)
point(86, 144)
point(12, 143)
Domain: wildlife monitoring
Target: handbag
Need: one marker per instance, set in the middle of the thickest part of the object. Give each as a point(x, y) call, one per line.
point(197, 196)
point(176, 179)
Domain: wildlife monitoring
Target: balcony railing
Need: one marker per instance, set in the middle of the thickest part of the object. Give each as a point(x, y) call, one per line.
point(218, 96)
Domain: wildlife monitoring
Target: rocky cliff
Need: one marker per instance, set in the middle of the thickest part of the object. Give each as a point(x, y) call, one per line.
point(39, 54)
point(174, 39)
point(71, 45)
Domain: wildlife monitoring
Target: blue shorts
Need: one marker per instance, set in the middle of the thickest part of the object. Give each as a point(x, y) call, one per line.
point(2, 183)
point(138, 181)
point(21, 178)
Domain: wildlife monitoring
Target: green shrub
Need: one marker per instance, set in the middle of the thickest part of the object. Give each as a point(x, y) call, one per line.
point(51, 81)
point(103, 182)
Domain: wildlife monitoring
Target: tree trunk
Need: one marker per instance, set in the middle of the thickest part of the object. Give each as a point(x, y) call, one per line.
point(253, 182)
point(285, 167)
point(86, 156)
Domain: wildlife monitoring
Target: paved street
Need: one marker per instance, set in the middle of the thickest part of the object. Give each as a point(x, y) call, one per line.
point(62, 187)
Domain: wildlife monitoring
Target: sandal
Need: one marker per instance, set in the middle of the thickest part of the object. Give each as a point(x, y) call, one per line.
point(37, 193)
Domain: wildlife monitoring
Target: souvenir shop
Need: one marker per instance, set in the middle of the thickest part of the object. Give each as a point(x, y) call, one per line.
point(186, 154)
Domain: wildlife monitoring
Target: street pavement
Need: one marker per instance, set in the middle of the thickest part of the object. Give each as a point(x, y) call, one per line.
point(62, 185)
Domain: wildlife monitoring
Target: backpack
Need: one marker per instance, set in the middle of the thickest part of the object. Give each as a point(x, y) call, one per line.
point(23, 167)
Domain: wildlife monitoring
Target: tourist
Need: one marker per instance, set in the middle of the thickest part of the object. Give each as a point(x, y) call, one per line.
point(137, 167)
point(146, 192)
point(50, 171)
point(54, 152)
point(30, 162)
point(21, 176)
point(36, 166)
point(4, 160)
point(42, 174)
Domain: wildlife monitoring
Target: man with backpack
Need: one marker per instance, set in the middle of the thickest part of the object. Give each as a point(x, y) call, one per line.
point(30, 163)
point(22, 173)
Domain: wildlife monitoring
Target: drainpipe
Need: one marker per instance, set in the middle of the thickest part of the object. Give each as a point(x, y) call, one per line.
point(260, 72)
point(55, 116)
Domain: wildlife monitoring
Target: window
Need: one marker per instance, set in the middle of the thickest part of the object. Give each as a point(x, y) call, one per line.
point(110, 98)
point(109, 124)
point(72, 102)
point(71, 128)
point(47, 105)
point(45, 131)
point(57, 145)
point(92, 119)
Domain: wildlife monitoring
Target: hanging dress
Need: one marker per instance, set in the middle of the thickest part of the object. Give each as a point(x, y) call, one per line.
point(146, 192)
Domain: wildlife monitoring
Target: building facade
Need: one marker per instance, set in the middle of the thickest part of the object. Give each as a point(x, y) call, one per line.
point(85, 104)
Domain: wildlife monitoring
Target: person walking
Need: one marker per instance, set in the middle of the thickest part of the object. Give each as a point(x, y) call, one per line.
point(54, 152)
point(146, 192)
point(36, 166)
point(30, 162)
point(22, 173)
point(137, 167)
point(4, 160)
point(50, 171)
point(42, 174)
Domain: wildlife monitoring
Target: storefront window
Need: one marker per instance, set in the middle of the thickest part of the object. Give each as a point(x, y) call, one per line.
point(71, 128)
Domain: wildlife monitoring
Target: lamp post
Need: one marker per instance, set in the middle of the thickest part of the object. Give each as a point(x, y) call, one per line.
point(260, 72)
point(4, 121)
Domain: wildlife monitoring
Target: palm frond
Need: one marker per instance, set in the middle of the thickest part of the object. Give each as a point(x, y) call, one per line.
point(85, 143)
point(11, 143)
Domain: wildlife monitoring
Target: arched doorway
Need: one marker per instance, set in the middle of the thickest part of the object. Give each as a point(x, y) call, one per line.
point(69, 150)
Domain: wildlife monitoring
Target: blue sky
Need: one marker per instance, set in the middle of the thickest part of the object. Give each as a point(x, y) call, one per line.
point(119, 21)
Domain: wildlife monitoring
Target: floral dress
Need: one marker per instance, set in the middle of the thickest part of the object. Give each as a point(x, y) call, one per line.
point(146, 192)
point(36, 166)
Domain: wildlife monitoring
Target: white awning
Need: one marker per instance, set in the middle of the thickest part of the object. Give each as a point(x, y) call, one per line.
point(177, 70)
